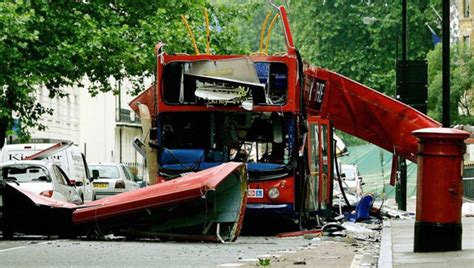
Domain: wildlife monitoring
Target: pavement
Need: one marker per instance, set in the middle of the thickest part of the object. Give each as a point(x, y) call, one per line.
point(397, 247)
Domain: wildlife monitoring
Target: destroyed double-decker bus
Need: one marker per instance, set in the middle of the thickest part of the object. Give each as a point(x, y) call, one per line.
point(210, 109)
point(273, 112)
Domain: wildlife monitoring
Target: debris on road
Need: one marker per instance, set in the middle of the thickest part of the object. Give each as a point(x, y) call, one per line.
point(299, 233)
point(204, 206)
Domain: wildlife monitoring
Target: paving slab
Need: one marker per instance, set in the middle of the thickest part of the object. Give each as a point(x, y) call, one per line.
point(397, 247)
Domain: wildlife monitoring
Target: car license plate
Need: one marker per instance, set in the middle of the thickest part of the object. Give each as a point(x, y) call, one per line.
point(99, 185)
point(255, 193)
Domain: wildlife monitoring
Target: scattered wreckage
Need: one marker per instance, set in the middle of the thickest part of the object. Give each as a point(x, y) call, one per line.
point(204, 206)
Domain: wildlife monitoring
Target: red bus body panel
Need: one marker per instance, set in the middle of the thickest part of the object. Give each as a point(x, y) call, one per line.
point(367, 114)
point(174, 191)
point(147, 97)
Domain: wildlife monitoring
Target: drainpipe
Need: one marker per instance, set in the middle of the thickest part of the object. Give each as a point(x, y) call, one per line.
point(120, 120)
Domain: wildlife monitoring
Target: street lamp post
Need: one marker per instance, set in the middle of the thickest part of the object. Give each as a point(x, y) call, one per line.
point(446, 59)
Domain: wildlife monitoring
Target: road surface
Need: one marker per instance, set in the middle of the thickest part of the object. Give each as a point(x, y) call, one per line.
point(37, 251)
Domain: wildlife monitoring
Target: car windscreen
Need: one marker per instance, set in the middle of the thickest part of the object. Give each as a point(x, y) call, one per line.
point(106, 171)
point(22, 174)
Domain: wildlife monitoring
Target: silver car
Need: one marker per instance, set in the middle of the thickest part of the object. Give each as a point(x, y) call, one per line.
point(41, 177)
point(110, 179)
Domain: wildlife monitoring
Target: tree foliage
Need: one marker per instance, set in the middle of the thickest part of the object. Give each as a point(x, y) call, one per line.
point(53, 44)
point(461, 85)
point(361, 40)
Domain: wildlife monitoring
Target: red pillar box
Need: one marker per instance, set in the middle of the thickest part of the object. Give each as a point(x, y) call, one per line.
point(439, 189)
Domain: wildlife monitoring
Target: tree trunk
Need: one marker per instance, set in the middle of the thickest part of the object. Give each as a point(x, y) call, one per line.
point(3, 131)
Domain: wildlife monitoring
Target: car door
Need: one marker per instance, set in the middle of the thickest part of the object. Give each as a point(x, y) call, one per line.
point(130, 183)
point(64, 186)
point(87, 187)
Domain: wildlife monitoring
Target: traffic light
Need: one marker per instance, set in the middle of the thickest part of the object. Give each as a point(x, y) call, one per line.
point(412, 83)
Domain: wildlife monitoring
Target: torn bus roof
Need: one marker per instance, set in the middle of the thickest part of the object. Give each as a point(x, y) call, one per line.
point(30, 213)
point(40, 200)
point(365, 113)
point(207, 205)
point(146, 97)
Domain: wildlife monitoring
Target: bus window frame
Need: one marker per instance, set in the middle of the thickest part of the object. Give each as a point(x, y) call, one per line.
point(292, 96)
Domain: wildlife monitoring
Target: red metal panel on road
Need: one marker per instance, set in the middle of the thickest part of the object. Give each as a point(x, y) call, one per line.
point(43, 200)
point(177, 190)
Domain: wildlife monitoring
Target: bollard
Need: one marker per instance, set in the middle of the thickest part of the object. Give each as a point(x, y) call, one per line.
point(439, 189)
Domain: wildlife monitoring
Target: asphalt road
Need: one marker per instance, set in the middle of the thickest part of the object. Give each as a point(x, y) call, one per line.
point(34, 252)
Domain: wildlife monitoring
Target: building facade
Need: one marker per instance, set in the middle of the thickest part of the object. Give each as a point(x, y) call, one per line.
point(64, 123)
point(103, 126)
point(466, 22)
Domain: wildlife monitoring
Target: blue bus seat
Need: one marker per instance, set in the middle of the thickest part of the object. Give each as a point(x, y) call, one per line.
point(181, 156)
point(362, 210)
point(264, 166)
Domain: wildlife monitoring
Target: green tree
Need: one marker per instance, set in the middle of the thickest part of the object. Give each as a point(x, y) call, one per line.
point(53, 44)
point(461, 86)
point(360, 40)
point(250, 22)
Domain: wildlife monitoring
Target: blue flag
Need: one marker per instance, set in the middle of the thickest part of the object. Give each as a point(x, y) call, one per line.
point(436, 39)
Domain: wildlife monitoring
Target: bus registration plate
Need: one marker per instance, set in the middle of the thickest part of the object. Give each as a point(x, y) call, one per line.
point(255, 193)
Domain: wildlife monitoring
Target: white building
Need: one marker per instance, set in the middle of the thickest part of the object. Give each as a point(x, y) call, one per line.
point(64, 124)
point(102, 126)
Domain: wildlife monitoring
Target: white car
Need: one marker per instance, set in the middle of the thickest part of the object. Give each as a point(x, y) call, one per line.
point(41, 177)
point(66, 155)
point(110, 179)
point(352, 178)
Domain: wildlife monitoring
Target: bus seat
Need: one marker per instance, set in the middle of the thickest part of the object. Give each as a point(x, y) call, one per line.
point(362, 210)
point(206, 165)
point(264, 166)
point(181, 156)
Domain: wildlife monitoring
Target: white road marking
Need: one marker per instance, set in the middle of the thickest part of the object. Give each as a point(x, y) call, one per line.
point(22, 247)
point(9, 249)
